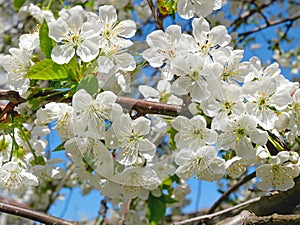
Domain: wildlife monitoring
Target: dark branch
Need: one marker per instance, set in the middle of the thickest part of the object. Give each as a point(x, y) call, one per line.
point(231, 190)
point(142, 107)
point(248, 218)
point(33, 215)
point(157, 18)
point(272, 23)
point(244, 17)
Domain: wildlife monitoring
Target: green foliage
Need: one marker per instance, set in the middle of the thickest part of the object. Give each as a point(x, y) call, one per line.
point(59, 147)
point(89, 83)
point(18, 4)
point(49, 70)
point(167, 7)
point(172, 133)
point(46, 44)
point(157, 208)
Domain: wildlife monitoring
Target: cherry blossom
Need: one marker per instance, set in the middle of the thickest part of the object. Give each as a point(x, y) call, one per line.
point(130, 137)
point(193, 132)
point(73, 32)
point(187, 8)
point(202, 162)
point(278, 173)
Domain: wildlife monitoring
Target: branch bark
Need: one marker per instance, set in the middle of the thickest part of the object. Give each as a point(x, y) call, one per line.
point(248, 218)
point(157, 18)
point(231, 190)
point(142, 107)
point(266, 206)
point(33, 215)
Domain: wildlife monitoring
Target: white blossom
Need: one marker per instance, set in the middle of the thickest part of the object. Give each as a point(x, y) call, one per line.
point(15, 178)
point(202, 162)
point(262, 95)
point(278, 173)
point(162, 94)
point(193, 132)
point(193, 77)
point(89, 114)
point(239, 135)
point(187, 8)
point(225, 104)
point(130, 137)
point(73, 32)
point(164, 46)
point(210, 43)
point(61, 114)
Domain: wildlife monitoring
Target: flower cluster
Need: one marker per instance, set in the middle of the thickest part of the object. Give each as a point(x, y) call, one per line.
point(238, 113)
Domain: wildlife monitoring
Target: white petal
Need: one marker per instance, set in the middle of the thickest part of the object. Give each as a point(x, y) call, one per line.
point(81, 100)
point(108, 14)
point(126, 28)
point(62, 54)
point(88, 50)
point(125, 61)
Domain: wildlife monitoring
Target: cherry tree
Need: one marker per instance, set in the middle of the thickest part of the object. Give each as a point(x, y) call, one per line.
point(145, 95)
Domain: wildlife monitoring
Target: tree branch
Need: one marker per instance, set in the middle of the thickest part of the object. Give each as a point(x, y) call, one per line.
point(272, 23)
point(278, 202)
point(33, 215)
point(157, 18)
point(244, 17)
point(231, 190)
point(142, 107)
point(248, 218)
point(219, 213)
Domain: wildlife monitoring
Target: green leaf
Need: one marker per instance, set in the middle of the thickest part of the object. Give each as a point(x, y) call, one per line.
point(169, 199)
point(46, 44)
point(89, 83)
point(167, 182)
point(172, 133)
point(49, 70)
point(157, 207)
point(60, 147)
point(18, 4)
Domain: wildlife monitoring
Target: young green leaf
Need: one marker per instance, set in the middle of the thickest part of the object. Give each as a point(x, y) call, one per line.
point(18, 4)
point(89, 83)
point(157, 207)
point(49, 70)
point(46, 44)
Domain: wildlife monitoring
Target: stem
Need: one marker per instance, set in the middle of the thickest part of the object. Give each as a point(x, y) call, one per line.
point(28, 143)
point(158, 20)
point(49, 5)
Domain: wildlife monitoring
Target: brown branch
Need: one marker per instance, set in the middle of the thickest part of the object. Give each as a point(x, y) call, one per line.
point(157, 18)
point(249, 218)
point(146, 107)
point(33, 215)
point(279, 202)
point(142, 107)
point(272, 23)
point(219, 213)
point(231, 190)
point(244, 17)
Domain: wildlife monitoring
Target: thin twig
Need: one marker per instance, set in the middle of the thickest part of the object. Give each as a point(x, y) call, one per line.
point(244, 17)
point(264, 26)
point(158, 19)
point(125, 211)
point(210, 216)
point(230, 190)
